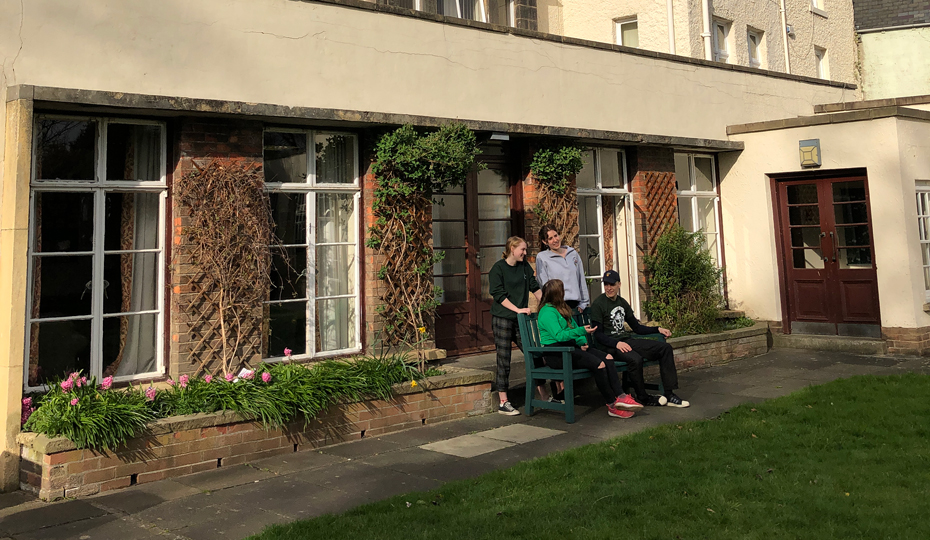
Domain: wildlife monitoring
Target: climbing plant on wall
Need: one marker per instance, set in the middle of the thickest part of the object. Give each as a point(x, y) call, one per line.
point(410, 168)
point(553, 168)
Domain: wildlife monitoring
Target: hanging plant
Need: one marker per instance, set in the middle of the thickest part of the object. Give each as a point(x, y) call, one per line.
point(410, 168)
point(554, 167)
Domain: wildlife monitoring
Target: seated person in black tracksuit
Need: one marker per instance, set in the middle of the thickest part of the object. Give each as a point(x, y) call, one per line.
point(608, 313)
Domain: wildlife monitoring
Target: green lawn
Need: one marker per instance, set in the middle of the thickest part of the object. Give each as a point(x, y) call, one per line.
point(849, 459)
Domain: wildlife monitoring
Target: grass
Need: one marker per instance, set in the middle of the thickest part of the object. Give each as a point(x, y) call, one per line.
point(849, 459)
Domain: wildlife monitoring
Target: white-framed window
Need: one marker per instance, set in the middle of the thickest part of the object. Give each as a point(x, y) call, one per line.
point(698, 203)
point(822, 65)
point(605, 208)
point(96, 249)
point(627, 32)
point(754, 42)
point(721, 39)
point(923, 226)
point(490, 11)
point(312, 179)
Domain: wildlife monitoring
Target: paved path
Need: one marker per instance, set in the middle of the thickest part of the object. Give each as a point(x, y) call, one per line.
point(238, 501)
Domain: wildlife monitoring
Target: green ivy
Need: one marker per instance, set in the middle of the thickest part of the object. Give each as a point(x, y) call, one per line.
point(556, 165)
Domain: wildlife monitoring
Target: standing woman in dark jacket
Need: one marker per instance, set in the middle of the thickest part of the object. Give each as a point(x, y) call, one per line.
point(510, 282)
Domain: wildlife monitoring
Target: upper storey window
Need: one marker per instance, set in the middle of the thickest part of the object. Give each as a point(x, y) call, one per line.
point(490, 11)
point(627, 31)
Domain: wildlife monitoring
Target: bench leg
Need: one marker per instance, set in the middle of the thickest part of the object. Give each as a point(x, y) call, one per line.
point(530, 385)
point(569, 401)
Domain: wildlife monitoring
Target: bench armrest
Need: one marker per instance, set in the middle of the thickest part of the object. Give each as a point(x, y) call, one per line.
point(549, 349)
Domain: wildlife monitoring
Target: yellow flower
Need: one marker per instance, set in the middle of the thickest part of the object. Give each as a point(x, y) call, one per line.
point(413, 383)
point(421, 329)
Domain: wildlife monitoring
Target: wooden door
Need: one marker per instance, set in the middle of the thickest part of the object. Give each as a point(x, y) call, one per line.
point(830, 281)
point(471, 225)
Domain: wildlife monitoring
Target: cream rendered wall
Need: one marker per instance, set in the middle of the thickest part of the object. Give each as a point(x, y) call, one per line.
point(894, 63)
point(834, 32)
point(549, 16)
point(897, 151)
point(322, 55)
point(760, 16)
point(594, 20)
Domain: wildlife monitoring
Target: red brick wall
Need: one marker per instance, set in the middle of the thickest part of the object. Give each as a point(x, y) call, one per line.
point(655, 200)
point(200, 141)
point(908, 341)
point(77, 473)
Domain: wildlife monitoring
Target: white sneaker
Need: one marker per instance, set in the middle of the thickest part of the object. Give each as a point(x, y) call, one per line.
point(675, 401)
point(507, 409)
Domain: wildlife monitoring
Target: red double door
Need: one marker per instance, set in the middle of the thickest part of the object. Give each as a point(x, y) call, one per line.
point(826, 239)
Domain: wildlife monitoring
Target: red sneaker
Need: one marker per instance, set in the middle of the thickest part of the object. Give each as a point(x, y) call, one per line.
point(627, 402)
point(619, 413)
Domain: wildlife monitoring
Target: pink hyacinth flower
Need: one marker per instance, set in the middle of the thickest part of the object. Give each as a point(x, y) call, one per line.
point(83, 381)
point(66, 385)
point(74, 375)
point(170, 382)
point(266, 377)
point(74, 401)
point(247, 374)
point(208, 378)
point(27, 402)
point(287, 352)
point(150, 393)
point(107, 383)
point(183, 381)
point(229, 377)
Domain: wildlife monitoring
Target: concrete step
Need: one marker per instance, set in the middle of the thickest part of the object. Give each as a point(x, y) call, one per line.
point(828, 343)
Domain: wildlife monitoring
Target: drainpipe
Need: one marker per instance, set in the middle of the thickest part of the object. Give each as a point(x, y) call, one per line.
point(705, 15)
point(784, 31)
point(671, 29)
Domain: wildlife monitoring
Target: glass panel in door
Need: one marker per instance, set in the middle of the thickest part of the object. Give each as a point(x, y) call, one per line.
point(494, 224)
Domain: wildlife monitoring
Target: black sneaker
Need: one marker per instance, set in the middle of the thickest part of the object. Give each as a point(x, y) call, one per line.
point(675, 401)
point(507, 409)
point(653, 401)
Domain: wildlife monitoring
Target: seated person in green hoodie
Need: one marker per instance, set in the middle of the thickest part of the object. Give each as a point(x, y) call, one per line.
point(557, 328)
point(608, 313)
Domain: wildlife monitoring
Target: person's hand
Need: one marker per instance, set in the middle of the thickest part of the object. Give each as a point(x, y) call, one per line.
point(624, 347)
point(590, 328)
point(525, 311)
point(665, 332)
point(584, 347)
point(580, 309)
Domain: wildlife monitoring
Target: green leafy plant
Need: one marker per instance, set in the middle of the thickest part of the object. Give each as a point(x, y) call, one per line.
point(411, 168)
point(684, 283)
point(554, 167)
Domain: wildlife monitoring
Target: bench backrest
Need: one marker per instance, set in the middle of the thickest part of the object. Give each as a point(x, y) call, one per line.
point(529, 330)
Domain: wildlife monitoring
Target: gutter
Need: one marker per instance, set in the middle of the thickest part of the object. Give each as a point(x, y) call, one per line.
point(784, 30)
point(705, 15)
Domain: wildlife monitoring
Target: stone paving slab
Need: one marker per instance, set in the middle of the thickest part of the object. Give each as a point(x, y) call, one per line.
point(224, 477)
point(49, 515)
point(361, 448)
point(297, 462)
point(520, 433)
point(108, 526)
point(141, 497)
point(467, 446)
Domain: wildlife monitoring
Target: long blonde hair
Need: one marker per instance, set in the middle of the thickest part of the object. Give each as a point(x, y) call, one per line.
point(512, 242)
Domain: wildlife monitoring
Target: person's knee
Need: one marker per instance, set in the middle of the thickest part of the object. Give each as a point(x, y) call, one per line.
point(601, 366)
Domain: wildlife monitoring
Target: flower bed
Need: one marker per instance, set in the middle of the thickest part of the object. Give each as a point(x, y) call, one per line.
point(54, 467)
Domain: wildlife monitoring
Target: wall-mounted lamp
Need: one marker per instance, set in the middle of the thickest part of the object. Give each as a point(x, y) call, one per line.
point(500, 136)
point(810, 153)
point(789, 30)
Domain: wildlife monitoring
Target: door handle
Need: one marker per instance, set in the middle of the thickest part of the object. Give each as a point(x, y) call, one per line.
point(833, 241)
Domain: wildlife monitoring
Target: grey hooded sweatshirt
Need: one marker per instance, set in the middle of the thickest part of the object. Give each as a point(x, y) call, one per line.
point(551, 265)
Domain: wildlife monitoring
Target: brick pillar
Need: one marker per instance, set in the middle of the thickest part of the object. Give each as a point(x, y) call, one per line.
point(200, 141)
point(655, 200)
point(525, 14)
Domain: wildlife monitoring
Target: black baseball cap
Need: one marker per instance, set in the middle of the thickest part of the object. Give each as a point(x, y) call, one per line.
point(611, 277)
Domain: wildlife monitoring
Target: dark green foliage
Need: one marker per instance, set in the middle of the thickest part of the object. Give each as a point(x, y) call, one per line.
point(827, 462)
point(556, 165)
point(684, 283)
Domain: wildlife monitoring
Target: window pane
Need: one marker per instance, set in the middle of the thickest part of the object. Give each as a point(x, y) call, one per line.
point(485, 287)
point(133, 152)
point(58, 348)
point(289, 217)
point(287, 328)
point(590, 252)
point(489, 256)
point(707, 217)
point(703, 174)
point(611, 168)
point(497, 12)
point(804, 215)
point(587, 215)
point(132, 221)
point(63, 222)
point(594, 287)
point(710, 242)
point(685, 213)
point(62, 286)
point(849, 191)
point(130, 281)
point(409, 4)
point(336, 326)
point(855, 258)
point(448, 234)
point(335, 158)
point(493, 206)
point(851, 213)
point(805, 237)
point(682, 172)
point(494, 232)
point(808, 258)
point(452, 263)
point(585, 179)
point(129, 344)
point(454, 289)
point(857, 235)
point(802, 194)
point(335, 266)
point(288, 273)
point(285, 157)
point(492, 181)
point(335, 220)
point(66, 150)
point(629, 34)
point(449, 207)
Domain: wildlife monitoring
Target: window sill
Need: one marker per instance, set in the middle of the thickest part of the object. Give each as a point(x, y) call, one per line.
point(818, 11)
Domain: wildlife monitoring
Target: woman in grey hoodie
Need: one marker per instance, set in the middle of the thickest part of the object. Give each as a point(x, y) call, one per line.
point(556, 261)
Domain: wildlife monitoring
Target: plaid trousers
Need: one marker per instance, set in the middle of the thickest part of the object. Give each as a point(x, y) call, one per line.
point(505, 331)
